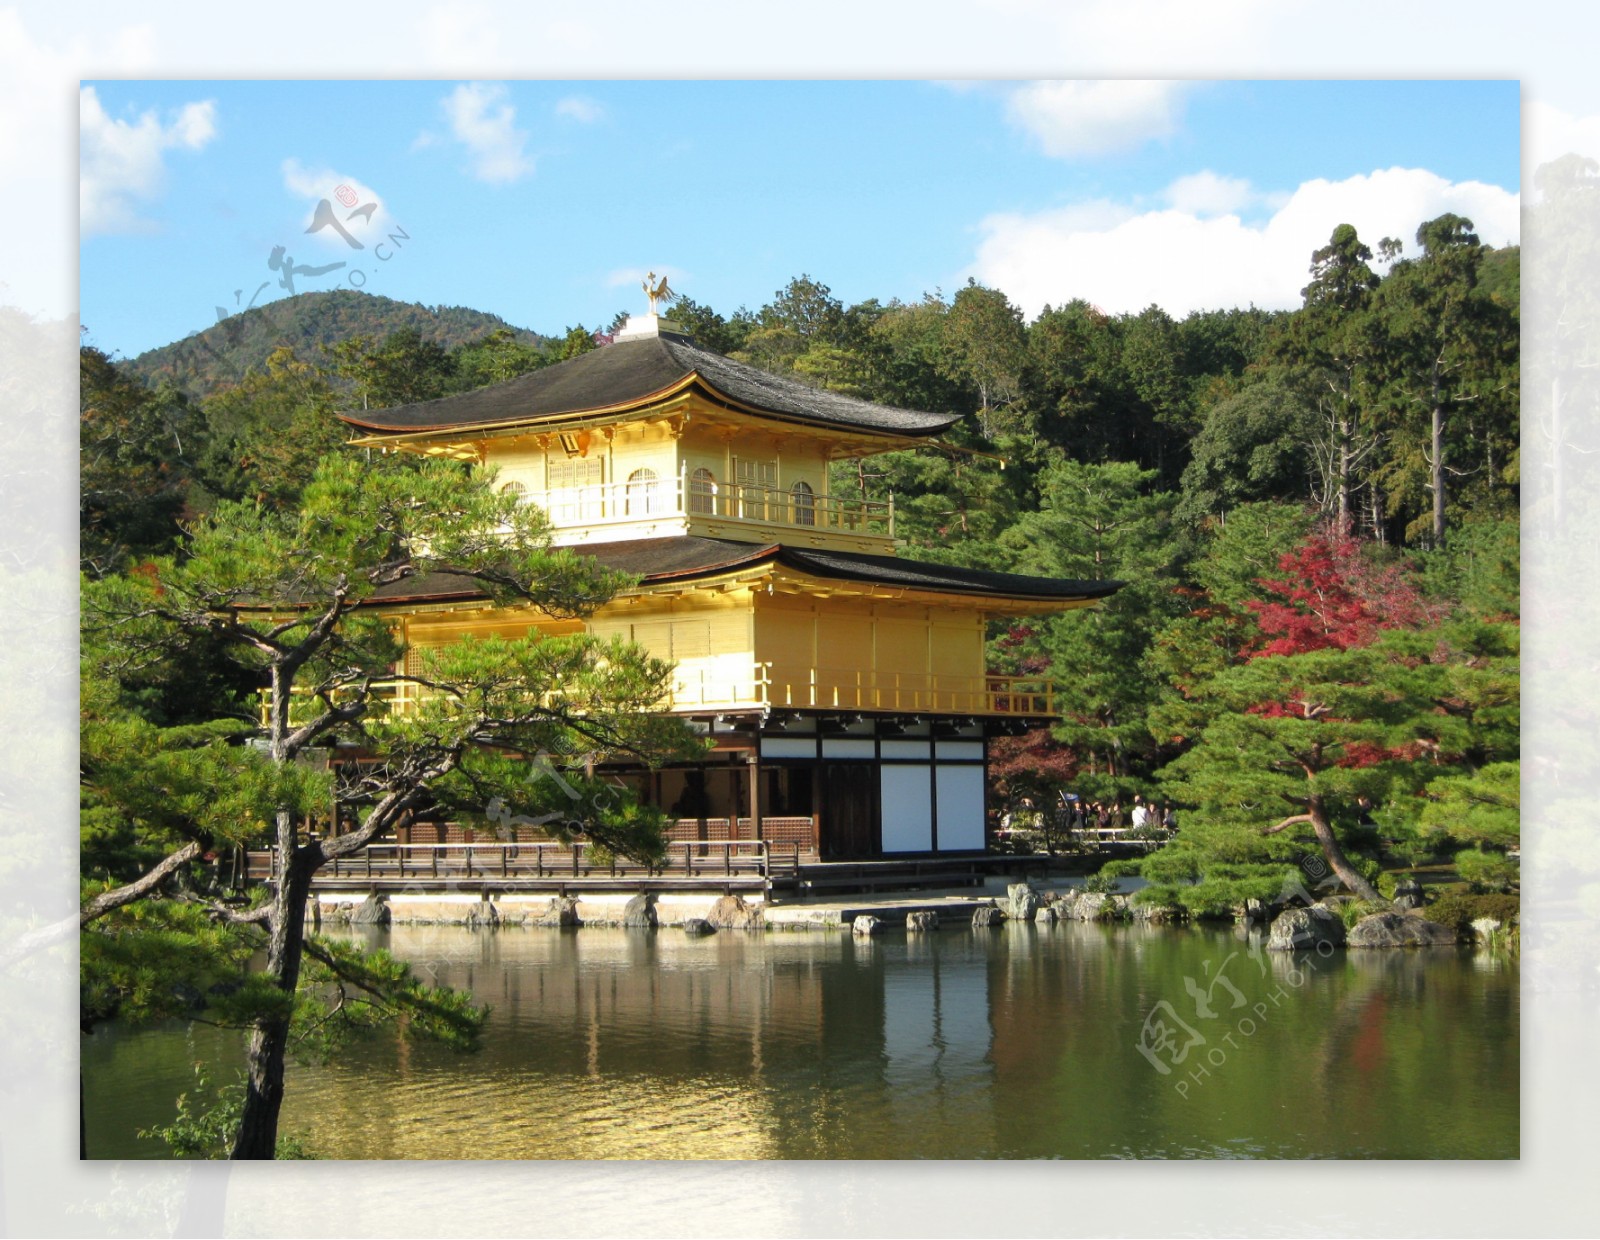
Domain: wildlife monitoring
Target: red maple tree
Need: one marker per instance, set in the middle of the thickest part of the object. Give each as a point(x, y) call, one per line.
point(1331, 597)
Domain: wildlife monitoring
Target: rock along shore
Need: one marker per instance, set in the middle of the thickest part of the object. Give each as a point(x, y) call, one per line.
point(1292, 929)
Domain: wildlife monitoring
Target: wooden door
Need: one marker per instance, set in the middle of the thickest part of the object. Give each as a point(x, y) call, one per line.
point(847, 793)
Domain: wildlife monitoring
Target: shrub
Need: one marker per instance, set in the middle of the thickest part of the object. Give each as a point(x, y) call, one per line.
point(1352, 911)
point(1460, 909)
point(1159, 895)
point(1101, 881)
point(1486, 871)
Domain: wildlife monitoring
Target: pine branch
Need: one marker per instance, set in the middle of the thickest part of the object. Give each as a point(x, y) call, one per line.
point(109, 901)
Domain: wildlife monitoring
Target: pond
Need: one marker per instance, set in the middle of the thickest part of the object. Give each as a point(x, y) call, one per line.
point(1064, 1041)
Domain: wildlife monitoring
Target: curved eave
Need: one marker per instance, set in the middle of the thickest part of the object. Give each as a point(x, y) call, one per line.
point(773, 568)
point(380, 434)
point(632, 407)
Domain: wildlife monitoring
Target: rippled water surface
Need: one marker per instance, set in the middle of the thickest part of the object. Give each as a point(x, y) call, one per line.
point(1021, 1042)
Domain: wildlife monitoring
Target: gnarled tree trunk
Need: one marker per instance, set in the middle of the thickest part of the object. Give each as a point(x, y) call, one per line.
point(269, 1039)
point(1337, 861)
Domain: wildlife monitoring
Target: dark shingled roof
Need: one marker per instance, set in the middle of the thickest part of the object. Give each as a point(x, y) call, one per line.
point(687, 557)
point(892, 571)
point(635, 370)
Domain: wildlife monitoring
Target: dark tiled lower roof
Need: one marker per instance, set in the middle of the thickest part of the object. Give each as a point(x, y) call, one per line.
point(918, 574)
point(633, 371)
point(687, 557)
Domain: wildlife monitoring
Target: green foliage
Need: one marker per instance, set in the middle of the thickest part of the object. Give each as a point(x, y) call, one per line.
point(306, 323)
point(1097, 522)
point(1480, 568)
point(282, 592)
point(1216, 627)
point(710, 329)
point(1482, 805)
point(136, 456)
point(145, 789)
point(1447, 359)
point(207, 1118)
point(577, 341)
point(1158, 895)
point(349, 992)
point(1460, 909)
point(159, 959)
point(266, 432)
point(1253, 446)
point(983, 347)
point(496, 358)
point(1487, 871)
point(1352, 911)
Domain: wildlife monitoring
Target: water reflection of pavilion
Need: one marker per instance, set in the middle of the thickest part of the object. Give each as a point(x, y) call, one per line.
point(896, 1031)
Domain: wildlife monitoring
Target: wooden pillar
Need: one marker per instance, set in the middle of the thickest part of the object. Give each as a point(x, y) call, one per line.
point(755, 790)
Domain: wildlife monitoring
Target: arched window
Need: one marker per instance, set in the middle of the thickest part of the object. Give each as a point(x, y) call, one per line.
point(516, 489)
point(644, 495)
point(703, 491)
point(804, 500)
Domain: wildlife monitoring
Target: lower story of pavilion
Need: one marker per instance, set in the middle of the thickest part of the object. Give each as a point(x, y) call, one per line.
point(828, 785)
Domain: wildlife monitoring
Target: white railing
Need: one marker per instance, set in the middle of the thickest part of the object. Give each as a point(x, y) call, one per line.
point(713, 498)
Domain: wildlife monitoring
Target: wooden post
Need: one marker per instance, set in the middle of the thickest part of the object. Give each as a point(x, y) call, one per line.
point(754, 761)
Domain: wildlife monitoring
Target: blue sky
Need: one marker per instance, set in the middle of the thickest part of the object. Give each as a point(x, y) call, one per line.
point(545, 201)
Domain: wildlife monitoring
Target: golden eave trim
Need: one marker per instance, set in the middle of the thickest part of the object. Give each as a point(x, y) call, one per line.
point(663, 403)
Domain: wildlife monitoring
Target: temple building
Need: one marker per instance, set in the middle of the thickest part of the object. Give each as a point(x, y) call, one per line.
point(844, 688)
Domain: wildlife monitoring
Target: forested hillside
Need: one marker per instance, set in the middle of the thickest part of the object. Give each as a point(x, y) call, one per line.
point(1315, 513)
point(307, 322)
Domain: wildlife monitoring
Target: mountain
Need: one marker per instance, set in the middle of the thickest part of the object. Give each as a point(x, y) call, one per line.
point(225, 352)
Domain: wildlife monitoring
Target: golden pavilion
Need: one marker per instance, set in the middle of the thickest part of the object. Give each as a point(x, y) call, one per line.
point(843, 688)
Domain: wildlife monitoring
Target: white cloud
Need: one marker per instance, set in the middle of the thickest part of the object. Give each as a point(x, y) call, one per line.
point(483, 122)
point(1551, 133)
point(1206, 193)
point(1070, 119)
point(1186, 260)
point(348, 197)
point(39, 106)
point(580, 108)
point(122, 162)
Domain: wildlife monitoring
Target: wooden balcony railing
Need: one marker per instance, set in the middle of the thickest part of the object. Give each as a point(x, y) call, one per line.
point(853, 689)
point(441, 864)
point(867, 690)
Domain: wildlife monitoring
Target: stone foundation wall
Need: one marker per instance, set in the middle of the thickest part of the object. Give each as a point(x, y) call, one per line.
point(608, 908)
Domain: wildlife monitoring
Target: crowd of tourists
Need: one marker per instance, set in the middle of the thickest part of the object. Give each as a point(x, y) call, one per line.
point(1093, 821)
point(1143, 818)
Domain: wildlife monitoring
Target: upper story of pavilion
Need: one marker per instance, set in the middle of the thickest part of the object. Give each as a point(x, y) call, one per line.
point(655, 437)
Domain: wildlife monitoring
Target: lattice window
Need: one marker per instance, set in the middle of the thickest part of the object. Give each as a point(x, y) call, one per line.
point(703, 491)
point(644, 493)
point(804, 501)
point(576, 486)
point(757, 481)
